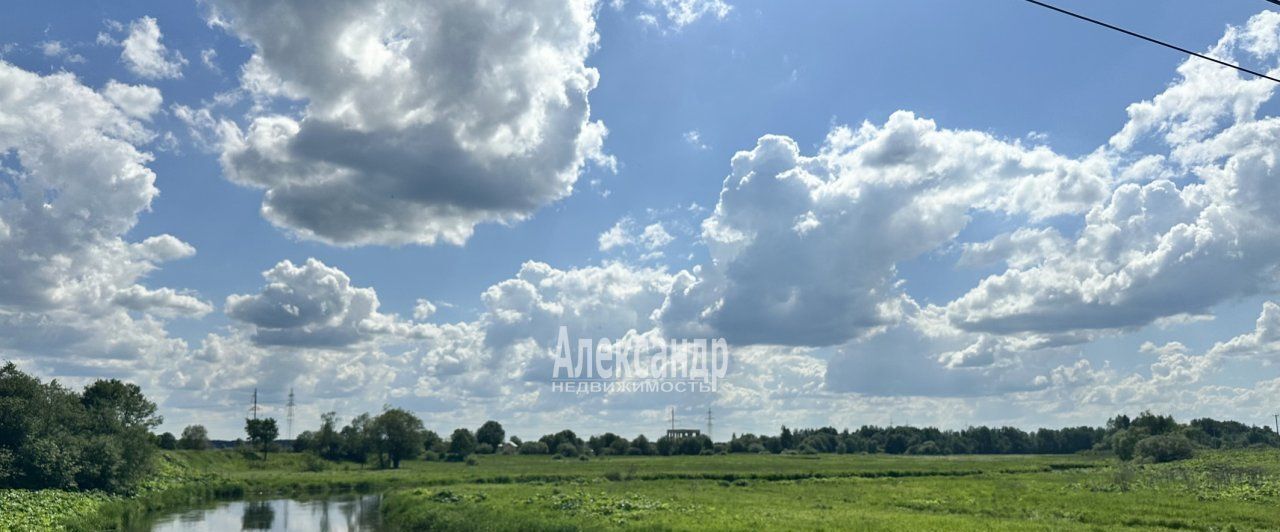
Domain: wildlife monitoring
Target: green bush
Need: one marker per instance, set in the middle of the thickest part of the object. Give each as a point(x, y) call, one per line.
point(314, 464)
point(534, 447)
point(54, 437)
point(567, 450)
point(1164, 448)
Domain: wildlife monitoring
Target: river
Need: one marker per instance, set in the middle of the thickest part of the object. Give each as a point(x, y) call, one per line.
point(338, 513)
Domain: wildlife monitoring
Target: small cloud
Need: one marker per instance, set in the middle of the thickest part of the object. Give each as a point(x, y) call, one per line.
point(626, 233)
point(617, 236)
point(694, 138)
point(655, 236)
point(55, 49)
point(137, 101)
point(676, 14)
point(52, 48)
point(143, 53)
point(208, 58)
point(597, 185)
point(423, 309)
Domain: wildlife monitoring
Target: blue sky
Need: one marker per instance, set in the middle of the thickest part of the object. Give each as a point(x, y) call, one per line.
point(679, 97)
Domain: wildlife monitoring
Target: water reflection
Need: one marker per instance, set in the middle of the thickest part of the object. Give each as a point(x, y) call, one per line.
point(258, 515)
point(335, 514)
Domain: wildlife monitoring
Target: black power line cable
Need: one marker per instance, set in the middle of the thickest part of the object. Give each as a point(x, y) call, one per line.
point(1153, 40)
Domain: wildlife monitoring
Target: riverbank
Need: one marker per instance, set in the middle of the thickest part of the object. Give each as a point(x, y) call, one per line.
point(184, 478)
point(733, 491)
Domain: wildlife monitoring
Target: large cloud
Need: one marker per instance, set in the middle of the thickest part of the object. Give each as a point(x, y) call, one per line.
point(1158, 248)
point(804, 248)
point(420, 119)
point(315, 305)
point(74, 180)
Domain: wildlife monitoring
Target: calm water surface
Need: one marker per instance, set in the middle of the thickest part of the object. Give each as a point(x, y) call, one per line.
point(333, 514)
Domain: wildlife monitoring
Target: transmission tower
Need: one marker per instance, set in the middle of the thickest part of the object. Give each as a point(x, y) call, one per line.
point(255, 403)
point(709, 423)
point(289, 418)
point(673, 418)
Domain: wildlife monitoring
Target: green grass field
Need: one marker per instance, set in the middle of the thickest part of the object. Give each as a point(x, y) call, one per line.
point(1215, 491)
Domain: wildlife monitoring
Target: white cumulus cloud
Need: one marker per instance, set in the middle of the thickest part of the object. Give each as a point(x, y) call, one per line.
point(145, 55)
point(421, 119)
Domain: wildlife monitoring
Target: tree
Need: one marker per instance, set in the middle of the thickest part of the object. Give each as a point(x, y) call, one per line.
point(194, 438)
point(567, 450)
point(491, 433)
point(304, 442)
point(461, 444)
point(432, 441)
point(641, 446)
point(357, 438)
point(167, 441)
point(786, 439)
point(691, 445)
point(666, 445)
point(533, 447)
point(399, 435)
point(896, 443)
point(1153, 424)
point(119, 449)
point(54, 437)
point(117, 404)
point(327, 442)
point(1123, 442)
point(261, 432)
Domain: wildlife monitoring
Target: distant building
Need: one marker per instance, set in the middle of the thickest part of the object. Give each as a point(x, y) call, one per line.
point(678, 434)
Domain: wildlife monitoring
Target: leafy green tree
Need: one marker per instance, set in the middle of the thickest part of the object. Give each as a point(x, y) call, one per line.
point(641, 446)
point(194, 438)
point(304, 442)
point(261, 432)
point(786, 439)
point(53, 437)
point(567, 450)
point(666, 446)
point(357, 438)
point(533, 447)
point(167, 441)
point(119, 451)
point(491, 433)
point(399, 435)
point(326, 441)
point(432, 441)
point(117, 404)
point(1124, 442)
point(461, 444)
point(1152, 424)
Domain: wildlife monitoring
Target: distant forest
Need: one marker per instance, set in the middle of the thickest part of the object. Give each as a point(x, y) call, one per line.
point(102, 437)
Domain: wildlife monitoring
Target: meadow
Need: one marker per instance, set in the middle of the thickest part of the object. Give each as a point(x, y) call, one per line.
point(1217, 490)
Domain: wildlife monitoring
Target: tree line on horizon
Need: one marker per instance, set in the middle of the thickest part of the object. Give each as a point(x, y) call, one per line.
point(102, 438)
point(1147, 436)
